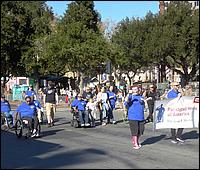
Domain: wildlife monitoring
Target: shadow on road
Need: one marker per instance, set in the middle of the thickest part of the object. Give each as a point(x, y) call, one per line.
point(35, 154)
point(153, 140)
point(190, 135)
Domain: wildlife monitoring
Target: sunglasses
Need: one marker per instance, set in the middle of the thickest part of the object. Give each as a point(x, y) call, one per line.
point(28, 101)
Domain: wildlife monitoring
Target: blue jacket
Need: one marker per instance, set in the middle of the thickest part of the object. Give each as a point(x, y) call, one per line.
point(5, 106)
point(112, 99)
point(26, 110)
point(172, 94)
point(136, 107)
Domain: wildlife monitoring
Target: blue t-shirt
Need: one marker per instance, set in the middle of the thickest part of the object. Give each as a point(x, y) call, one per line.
point(136, 107)
point(30, 93)
point(112, 98)
point(81, 104)
point(27, 110)
point(172, 94)
point(5, 106)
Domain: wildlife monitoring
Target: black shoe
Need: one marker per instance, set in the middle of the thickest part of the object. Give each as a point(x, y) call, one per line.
point(52, 124)
point(49, 125)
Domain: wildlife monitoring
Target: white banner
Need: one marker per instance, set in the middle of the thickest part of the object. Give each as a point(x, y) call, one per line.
point(181, 112)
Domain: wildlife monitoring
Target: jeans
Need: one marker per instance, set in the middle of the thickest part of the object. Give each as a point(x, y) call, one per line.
point(83, 116)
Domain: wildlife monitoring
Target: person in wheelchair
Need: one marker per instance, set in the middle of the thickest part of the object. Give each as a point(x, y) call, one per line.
point(6, 111)
point(28, 111)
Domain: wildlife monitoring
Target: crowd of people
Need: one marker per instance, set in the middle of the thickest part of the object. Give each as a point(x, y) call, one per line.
point(98, 102)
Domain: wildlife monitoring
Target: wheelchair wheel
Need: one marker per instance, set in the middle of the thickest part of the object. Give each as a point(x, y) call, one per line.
point(18, 128)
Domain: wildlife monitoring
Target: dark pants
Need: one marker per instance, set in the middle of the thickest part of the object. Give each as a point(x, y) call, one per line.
point(110, 115)
point(151, 108)
point(136, 127)
point(176, 135)
point(31, 120)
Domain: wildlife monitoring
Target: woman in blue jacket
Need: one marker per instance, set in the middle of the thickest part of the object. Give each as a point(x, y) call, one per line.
point(136, 119)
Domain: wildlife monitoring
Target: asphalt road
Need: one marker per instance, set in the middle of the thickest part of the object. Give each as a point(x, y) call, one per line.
point(102, 147)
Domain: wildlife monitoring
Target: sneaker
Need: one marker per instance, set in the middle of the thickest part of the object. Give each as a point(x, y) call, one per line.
point(104, 124)
point(82, 125)
point(137, 147)
point(174, 141)
point(114, 122)
point(33, 135)
point(34, 131)
point(37, 134)
point(87, 124)
point(49, 125)
point(180, 140)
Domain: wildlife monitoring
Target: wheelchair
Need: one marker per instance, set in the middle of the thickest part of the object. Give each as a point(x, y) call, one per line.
point(23, 128)
point(6, 122)
point(75, 122)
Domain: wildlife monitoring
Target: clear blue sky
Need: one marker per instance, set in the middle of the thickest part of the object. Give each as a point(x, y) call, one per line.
point(113, 10)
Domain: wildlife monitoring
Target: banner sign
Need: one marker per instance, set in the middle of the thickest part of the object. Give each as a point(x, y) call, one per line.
point(181, 112)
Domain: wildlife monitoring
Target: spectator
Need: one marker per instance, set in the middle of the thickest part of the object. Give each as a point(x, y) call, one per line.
point(50, 102)
point(135, 104)
point(151, 96)
point(174, 92)
point(188, 90)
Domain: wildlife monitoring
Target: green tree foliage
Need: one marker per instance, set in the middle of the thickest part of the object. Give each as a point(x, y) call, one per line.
point(23, 24)
point(129, 38)
point(88, 49)
point(181, 30)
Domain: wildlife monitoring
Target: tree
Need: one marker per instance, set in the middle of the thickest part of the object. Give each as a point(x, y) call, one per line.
point(182, 32)
point(22, 24)
point(88, 48)
point(129, 38)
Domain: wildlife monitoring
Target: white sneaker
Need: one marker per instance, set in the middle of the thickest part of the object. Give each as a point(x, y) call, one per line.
point(114, 122)
point(33, 135)
point(104, 124)
point(34, 131)
point(174, 141)
point(87, 124)
point(82, 124)
point(37, 134)
point(180, 140)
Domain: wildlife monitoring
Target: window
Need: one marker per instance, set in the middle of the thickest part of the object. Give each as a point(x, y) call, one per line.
point(22, 81)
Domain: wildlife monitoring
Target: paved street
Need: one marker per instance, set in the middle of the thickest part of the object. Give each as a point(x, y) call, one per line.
point(102, 147)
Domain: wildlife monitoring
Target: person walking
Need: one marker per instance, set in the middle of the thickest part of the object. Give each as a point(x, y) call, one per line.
point(174, 92)
point(135, 102)
point(112, 100)
point(50, 102)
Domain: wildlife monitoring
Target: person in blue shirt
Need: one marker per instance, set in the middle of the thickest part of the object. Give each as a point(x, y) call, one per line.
point(6, 109)
point(80, 105)
point(30, 92)
point(27, 110)
point(112, 99)
point(38, 107)
point(174, 92)
point(135, 102)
